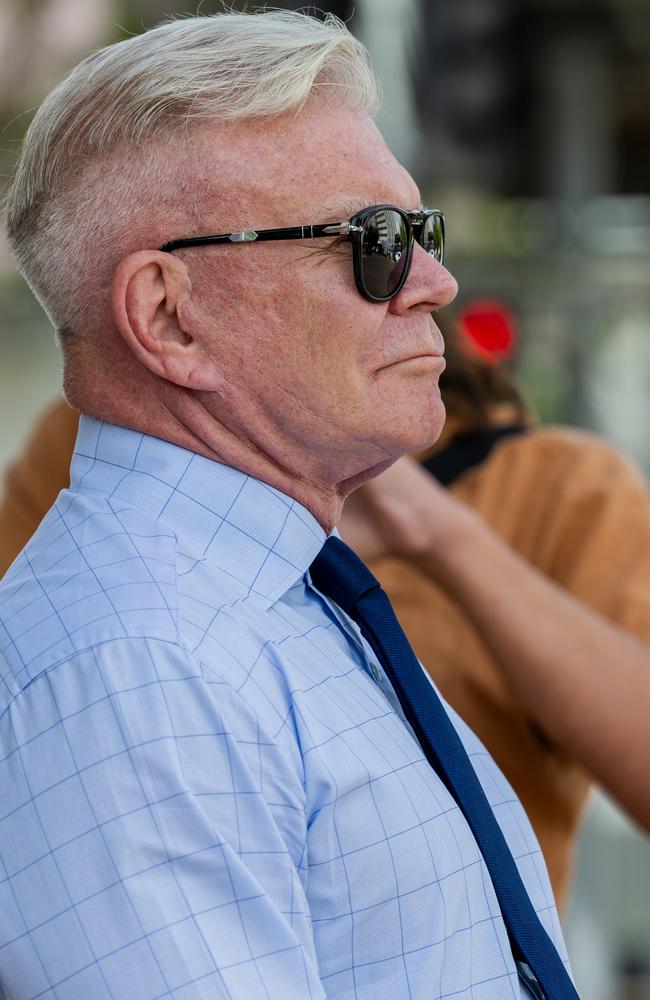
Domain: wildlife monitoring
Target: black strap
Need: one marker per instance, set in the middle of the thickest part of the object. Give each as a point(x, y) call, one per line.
point(467, 450)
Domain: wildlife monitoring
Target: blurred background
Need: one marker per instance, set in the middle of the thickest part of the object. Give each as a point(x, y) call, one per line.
point(528, 123)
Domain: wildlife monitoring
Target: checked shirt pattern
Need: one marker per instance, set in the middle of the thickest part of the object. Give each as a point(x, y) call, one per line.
point(207, 788)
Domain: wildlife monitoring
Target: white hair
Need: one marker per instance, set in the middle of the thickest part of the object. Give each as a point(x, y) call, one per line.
point(86, 175)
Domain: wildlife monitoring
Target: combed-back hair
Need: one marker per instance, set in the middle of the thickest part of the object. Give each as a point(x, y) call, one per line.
point(86, 176)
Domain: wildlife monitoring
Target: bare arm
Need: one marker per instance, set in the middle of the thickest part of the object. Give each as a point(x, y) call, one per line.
point(585, 681)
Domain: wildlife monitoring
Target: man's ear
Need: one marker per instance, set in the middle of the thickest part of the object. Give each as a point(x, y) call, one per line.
point(149, 297)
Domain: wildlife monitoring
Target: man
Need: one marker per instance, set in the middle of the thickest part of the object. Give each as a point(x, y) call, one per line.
point(209, 787)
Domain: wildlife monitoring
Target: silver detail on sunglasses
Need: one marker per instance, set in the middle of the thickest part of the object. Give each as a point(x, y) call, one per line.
point(246, 237)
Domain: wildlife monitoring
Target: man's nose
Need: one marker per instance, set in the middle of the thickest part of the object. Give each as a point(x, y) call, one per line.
point(429, 283)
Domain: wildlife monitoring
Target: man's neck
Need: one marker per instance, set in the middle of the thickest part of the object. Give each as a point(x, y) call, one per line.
point(183, 422)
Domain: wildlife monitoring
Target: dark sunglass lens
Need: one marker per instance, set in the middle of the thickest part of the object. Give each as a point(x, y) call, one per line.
point(433, 236)
point(384, 251)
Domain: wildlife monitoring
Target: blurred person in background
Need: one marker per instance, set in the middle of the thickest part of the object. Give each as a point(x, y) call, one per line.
point(524, 586)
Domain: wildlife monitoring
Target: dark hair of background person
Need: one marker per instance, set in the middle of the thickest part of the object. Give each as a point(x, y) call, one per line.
point(472, 387)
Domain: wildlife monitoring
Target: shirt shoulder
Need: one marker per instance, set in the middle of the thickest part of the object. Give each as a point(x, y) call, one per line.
point(547, 472)
point(96, 570)
point(556, 451)
point(581, 445)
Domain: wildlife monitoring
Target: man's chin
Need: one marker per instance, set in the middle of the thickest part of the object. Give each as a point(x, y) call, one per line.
point(424, 434)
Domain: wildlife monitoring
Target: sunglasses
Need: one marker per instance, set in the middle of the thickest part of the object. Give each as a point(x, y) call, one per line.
point(382, 244)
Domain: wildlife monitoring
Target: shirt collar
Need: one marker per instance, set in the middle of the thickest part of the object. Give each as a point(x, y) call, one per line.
point(238, 524)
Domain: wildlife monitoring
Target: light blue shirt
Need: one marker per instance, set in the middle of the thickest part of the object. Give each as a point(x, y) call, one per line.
point(207, 789)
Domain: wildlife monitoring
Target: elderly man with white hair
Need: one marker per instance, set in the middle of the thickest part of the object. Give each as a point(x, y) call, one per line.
point(223, 773)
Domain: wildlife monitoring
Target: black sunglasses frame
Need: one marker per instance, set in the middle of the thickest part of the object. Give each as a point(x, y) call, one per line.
point(353, 229)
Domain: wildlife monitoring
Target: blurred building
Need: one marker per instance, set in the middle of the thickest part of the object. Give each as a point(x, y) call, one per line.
point(534, 134)
point(534, 98)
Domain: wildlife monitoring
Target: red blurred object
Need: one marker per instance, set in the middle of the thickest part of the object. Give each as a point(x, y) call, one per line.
point(490, 327)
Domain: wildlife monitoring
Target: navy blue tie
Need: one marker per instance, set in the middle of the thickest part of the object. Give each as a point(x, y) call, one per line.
point(339, 574)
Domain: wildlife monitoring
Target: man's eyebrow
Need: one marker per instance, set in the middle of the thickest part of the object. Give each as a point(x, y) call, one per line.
point(343, 209)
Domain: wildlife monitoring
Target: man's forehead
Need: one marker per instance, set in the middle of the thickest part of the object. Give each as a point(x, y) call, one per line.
point(271, 207)
point(299, 165)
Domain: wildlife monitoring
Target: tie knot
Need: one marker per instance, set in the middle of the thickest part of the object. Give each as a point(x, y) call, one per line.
point(338, 573)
